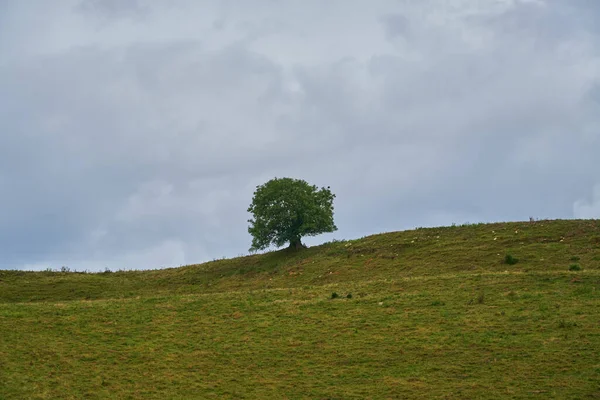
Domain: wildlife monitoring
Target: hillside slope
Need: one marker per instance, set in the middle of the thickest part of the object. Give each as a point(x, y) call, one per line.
point(543, 246)
point(432, 313)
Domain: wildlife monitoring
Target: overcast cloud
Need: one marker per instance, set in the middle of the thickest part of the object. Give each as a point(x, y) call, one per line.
point(133, 132)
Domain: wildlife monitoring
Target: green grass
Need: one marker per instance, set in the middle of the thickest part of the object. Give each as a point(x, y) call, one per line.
point(434, 313)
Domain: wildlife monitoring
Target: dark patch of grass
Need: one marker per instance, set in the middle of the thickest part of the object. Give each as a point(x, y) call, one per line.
point(510, 260)
point(564, 324)
point(574, 267)
point(480, 298)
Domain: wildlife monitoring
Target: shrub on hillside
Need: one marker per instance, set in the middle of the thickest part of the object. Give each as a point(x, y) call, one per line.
point(510, 260)
point(574, 267)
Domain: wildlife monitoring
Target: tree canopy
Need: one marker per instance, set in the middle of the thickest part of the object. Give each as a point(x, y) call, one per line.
point(285, 209)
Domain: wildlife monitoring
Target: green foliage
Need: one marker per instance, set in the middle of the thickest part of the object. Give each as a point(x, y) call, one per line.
point(334, 295)
point(510, 260)
point(285, 210)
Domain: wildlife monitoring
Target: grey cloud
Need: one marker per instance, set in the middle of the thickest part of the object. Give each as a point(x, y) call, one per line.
point(395, 25)
point(145, 153)
point(112, 8)
point(585, 208)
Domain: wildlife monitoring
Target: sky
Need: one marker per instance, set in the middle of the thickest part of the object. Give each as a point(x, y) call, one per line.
point(134, 132)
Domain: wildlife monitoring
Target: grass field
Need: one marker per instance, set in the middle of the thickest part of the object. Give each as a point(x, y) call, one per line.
point(433, 313)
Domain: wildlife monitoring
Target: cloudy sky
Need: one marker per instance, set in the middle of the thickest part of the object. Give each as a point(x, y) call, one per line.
point(133, 132)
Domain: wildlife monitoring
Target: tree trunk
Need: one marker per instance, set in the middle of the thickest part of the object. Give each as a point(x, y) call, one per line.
point(296, 244)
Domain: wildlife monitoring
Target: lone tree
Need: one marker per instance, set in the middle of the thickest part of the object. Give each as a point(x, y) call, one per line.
point(286, 209)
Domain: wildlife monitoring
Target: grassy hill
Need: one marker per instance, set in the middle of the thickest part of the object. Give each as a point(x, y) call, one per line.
point(427, 313)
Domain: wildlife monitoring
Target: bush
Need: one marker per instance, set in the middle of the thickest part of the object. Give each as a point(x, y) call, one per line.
point(334, 295)
point(510, 260)
point(574, 267)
